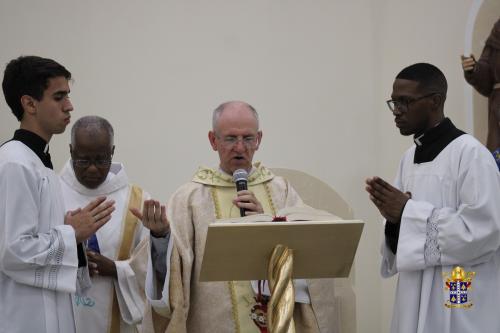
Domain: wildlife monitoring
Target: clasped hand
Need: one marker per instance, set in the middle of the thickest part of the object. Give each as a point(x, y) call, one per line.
point(86, 221)
point(389, 200)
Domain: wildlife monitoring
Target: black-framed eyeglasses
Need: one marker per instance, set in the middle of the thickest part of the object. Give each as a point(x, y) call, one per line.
point(102, 163)
point(404, 103)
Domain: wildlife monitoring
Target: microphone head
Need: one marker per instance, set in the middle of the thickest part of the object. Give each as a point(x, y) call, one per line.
point(239, 175)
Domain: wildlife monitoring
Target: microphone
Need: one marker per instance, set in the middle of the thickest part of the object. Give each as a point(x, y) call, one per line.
point(240, 177)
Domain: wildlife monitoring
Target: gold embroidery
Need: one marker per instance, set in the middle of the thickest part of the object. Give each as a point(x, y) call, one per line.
point(208, 176)
point(270, 198)
point(216, 202)
point(230, 284)
point(234, 304)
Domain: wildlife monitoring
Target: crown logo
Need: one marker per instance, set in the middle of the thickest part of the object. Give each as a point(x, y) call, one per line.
point(458, 282)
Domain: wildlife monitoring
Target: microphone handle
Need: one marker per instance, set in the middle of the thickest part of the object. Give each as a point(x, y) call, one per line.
point(241, 185)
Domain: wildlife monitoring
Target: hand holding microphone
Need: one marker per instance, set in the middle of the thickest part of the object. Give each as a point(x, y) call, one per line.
point(245, 199)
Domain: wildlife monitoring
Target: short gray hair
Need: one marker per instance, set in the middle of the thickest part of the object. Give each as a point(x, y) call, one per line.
point(218, 111)
point(93, 124)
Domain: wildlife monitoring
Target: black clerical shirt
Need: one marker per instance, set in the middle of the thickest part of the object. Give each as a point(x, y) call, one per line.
point(38, 145)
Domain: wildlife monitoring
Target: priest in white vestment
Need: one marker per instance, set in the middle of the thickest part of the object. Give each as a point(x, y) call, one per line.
point(117, 252)
point(442, 230)
point(41, 264)
point(178, 301)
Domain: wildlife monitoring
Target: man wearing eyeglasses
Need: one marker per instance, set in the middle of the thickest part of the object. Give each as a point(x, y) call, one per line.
point(117, 257)
point(442, 216)
point(180, 303)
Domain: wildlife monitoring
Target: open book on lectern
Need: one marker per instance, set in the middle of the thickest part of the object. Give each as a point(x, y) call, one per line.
point(294, 213)
point(324, 246)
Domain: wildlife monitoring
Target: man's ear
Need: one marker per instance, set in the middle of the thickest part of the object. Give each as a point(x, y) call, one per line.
point(437, 101)
point(113, 150)
point(212, 138)
point(28, 104)
point(259, 139)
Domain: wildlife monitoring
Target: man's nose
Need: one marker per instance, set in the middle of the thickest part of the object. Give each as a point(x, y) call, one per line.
point(92, 168)
point(68, 106)
point(239, 145)
point(398, 110)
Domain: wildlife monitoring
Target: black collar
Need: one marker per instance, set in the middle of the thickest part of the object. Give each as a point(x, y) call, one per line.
point(39, 146)
point(432, 142)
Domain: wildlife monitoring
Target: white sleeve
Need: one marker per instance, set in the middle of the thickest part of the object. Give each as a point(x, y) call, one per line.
point(129, 284)
point(43, 259)
point(159, 256)
point(468, 235)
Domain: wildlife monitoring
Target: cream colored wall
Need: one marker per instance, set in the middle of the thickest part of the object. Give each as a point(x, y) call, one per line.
point(318, 72)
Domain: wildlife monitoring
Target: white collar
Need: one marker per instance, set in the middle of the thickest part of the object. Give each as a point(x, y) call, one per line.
point(115, 180)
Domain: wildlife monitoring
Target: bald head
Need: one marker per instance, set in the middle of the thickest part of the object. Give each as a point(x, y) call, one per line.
point(235, 107)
